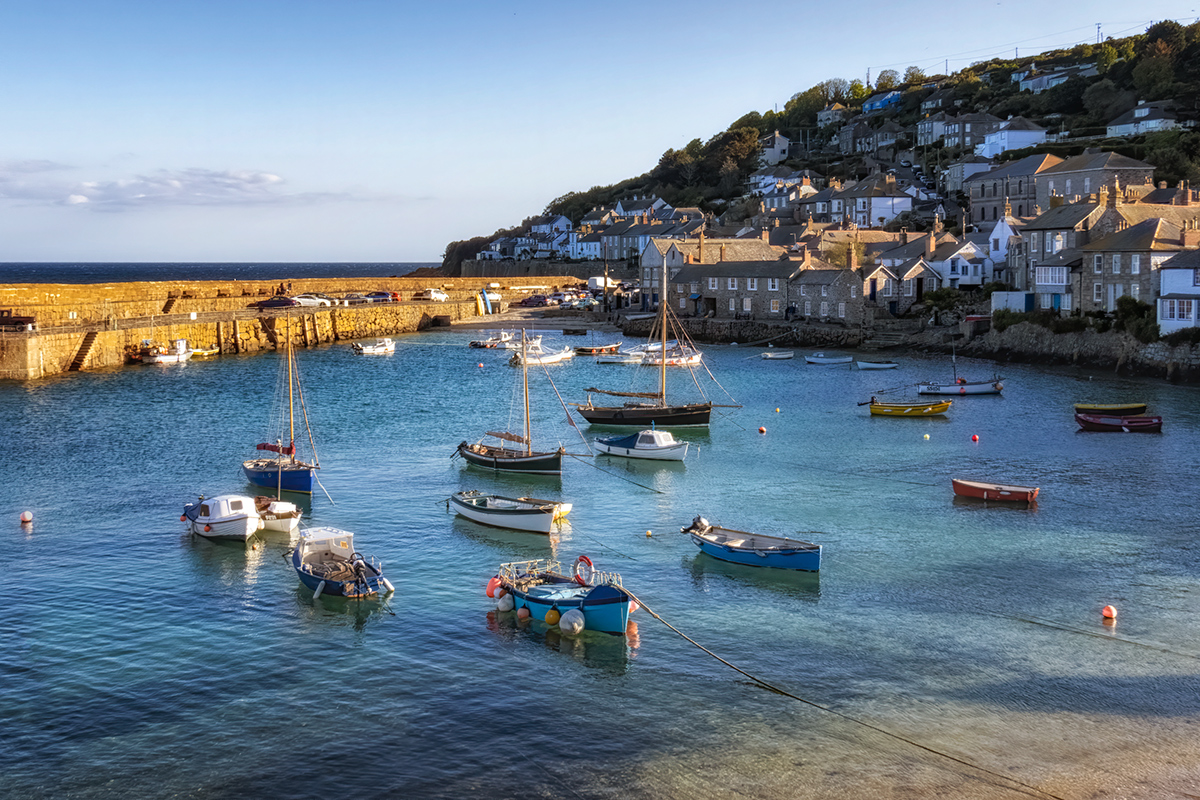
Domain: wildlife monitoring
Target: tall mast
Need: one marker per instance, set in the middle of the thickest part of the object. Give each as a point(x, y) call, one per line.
point(525, 384)
point(291, 414)
point(662, 321)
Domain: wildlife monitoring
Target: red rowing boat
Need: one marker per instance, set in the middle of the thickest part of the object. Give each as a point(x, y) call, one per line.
point(982, 490)
point(1104, 422)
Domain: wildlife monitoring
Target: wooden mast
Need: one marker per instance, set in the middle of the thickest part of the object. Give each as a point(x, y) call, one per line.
point(662, 320)
point(291, 400)
point(525, 386)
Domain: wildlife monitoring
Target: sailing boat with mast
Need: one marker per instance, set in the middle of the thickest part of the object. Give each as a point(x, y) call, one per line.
point(960, 386)
point(650, 409)
point(285, 472)
point(511, 459)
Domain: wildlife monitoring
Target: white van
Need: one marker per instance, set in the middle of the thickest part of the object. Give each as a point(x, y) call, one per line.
point(433, 294)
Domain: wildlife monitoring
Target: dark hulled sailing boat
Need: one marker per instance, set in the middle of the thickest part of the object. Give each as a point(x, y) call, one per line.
point(512, 459)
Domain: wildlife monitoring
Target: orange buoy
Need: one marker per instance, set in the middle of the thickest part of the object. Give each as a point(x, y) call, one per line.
point(207, 528)
point(26, 516)
point(523, 612)
point(975, 437)
point(762, 430)
point(481, 365)
point(493, 584)
point(183, 517)
point(1109, 612)
point(552, 616)
point(647, 534)
point(777, 411)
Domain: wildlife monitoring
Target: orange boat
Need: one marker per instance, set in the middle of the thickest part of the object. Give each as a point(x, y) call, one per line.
point(982, 490)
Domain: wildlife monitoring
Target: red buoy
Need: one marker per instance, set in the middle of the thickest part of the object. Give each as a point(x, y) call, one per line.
point(1109, 612)
point(762, 430)
point(493, 584)
point(975, 437)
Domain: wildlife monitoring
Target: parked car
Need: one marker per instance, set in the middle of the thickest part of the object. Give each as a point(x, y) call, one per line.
point(533, 301)
point(379, 297)
point(436, 295)
point(906, 163)
point(312, 300)
point(279, 301)
point(493, 297)
point(355, 299)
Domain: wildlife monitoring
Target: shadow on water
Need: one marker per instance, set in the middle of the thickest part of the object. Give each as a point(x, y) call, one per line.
point(708, 572)
point(979, 504)
point(1114, 695)
point(595, 650)
point(340, 611)
point(524, 544)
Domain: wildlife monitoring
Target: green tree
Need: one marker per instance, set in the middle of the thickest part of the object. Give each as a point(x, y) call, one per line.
point(751, 120)
point(1169, 33)
point(1106, 56)
point(914, 75)
point(1153, 77)
point(859, 91)
point(888, 79)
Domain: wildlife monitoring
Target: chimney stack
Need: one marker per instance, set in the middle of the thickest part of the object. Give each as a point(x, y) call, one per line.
point(929, 244)
point(700, 258)
point(722, 253)
point(904, 236)
point(1190, 236)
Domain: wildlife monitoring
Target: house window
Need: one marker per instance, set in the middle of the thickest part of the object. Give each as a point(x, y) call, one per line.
point(712, 284)
point(1087, 185)
point(775, 306)
point(752, 284)
point(803, 290)
point(908, 287)
point(1135, 264)
point(854, 289)
point(1097, 292)
point(995, 244)
point(824, 291)
point(808, 308)
point(772, 284)
point(953, 267)
point(1097, 264)
point(679, 288)
point(842, 310)
point(1135, 289)
point(1033, 242)
point(746, 305)
point(732, 304)
point(824, 309)
point(1046, 300)
point(683, 304)
point(1058, 242)
point(1068, 186)
point(1116, 264)
point(887, 287)
point(732, 284)
point(1051, 187)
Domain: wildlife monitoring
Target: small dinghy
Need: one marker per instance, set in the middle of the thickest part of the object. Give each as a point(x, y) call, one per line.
point(753, 549)
point(535, 354)
point(919, 409)
point(821, 358)
point(377, 347)
point(981, 490)
point(876, 364)
point(492, 342)
point(778, 355)
point(962, 387)
point(1111, 424)
point(653, 444)
point(598, 349)
point(277, 515)
point(518, 513)
point(1111, 409)
point(226, 516)
point(551, 596)
point(326, 562)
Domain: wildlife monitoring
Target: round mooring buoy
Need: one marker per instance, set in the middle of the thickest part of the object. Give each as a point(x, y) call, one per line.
point(1109, 612)
point(27, 517)
point(762, 430)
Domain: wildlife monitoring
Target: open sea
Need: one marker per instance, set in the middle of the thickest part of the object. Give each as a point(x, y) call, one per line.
point(946, 649)
point(113, 272)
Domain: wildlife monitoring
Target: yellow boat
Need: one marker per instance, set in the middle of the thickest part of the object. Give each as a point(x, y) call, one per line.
point(1112, 409)
point(909, 409)
point(206, 351)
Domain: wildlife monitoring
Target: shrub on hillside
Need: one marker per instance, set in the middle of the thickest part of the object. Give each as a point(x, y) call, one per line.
point(1003, 318)
point(1189, 336)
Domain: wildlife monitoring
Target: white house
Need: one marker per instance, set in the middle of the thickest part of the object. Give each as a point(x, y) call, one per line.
point(1012, 134)
point(1145, 118)
point(774, 148)
point(1179, 292)
point(876, 202)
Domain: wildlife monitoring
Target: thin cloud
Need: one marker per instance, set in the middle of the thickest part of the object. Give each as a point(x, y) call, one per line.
point(30, 166)
point(192, 187)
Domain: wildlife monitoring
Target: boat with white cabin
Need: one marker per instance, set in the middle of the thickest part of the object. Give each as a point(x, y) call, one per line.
point(176, 353)
point(535, 354)
point(326, 562)
point(226, 516)
point(652, 444)
point(377, 347)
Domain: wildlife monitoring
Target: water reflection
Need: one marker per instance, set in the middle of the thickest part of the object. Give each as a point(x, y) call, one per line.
point(340, 611)
point(708, 573)
point(595, 650)
point(980, 504)
point(226, 560)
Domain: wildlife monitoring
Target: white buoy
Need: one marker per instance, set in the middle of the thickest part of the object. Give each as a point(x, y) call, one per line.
point(388, 584)
point(26, 516)
point(320, 588)
point(505, 603)
point(571, 623)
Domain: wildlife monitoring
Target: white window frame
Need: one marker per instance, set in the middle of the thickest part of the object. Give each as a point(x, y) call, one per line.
point(803, 290)
point(752, 284)
point(775, 306)
point(808, 308)
point(908, 287)
point(732, 286)
point(772, 284)
point(683, 304)
point(853, 291)
point(1135, 264)
point(824, 291)
point(824, 308)
point(733, 304)
point(712, 284)
point(1116, 264)
point(1098, 263)
point(1097, 292)
point(747, 305)
point(842, 310)
point(1135, 290)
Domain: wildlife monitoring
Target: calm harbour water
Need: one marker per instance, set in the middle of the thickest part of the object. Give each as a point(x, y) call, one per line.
point(138, 661)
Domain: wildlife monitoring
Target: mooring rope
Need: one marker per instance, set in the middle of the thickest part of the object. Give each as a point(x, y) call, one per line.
point(615, 475)
point(771, 687)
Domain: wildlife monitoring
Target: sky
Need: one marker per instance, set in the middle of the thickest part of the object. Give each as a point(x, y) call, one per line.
point(381, 130)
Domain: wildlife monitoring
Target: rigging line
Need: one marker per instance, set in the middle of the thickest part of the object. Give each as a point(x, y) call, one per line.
point(566, 410)
point(771, 687)
point(323, 489)
point(599, 543)
point(615, 475)
point(1081, 632)
point(304, 412)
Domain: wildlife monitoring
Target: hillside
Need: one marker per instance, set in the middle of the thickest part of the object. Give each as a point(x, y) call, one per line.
point(1162, 64)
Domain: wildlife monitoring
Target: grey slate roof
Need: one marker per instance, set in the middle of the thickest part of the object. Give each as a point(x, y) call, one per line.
point(1095, 161)
point(1151, 234)
point(1188, 259)
point(694, 273)
point(1063, 218)
point(1027, 166)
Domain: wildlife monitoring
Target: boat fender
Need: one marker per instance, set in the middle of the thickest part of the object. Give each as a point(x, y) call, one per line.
point(320, 588)
point(552, 616)
point(524, 613)
point(571, 623)
point(387, 583)
point(633, 606)
point(962, 390)
point(580, 577)
point(182, 517)
point(505, 603)
point(207, 528)
point(492, 585)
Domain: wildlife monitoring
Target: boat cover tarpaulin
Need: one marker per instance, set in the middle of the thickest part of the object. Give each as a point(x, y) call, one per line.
point(290, 450)
point(629, 441)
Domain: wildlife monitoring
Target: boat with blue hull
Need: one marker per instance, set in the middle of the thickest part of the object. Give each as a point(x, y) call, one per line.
point(541, 586)
point(285, 472)
point(754, 549)
point(326, 562)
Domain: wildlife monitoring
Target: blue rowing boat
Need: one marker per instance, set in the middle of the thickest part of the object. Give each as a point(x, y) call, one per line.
point(754, 549)
point(541, 586)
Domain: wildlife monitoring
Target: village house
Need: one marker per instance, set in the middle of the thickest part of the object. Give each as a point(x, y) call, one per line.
point(876, 201)
point(1011, 183)
point(734, 289)
point(851, 135)
point(550, 223)
point(878, 102)
point(677, 253)
point(1145, 118)
point(1179, 292)
point(1125, 262)
point(774, 149)
point(938, 100)
point(961, 170)
point(932, 128)
point(969, 130)
point(823, 292)
point(832, 113)
point(1037, 81)
point(1085, 174)
point(639, 206)
point(1065, 227)
point(1013, 134)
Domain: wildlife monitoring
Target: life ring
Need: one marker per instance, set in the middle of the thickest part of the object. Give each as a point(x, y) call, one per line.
point(591, 570)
